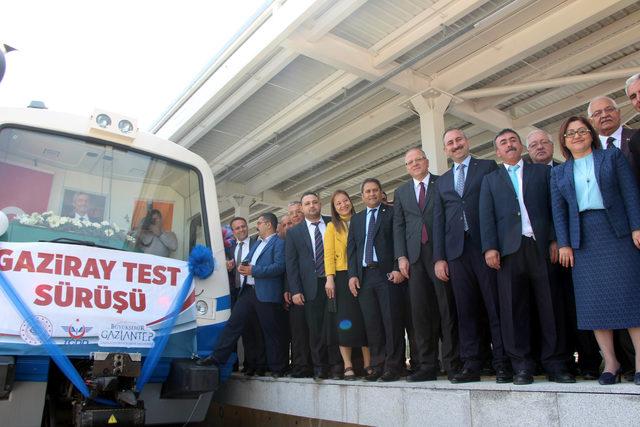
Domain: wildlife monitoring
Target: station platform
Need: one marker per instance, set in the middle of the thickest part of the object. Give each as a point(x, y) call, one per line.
point(438, 403)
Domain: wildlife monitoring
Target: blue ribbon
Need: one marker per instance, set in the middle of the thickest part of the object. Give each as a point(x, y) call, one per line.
point(54, 351)
point(201, 265)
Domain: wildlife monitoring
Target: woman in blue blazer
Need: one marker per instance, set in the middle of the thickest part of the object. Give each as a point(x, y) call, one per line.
point(596, 213)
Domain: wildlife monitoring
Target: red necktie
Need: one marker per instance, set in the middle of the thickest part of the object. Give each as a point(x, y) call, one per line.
point(422, 201)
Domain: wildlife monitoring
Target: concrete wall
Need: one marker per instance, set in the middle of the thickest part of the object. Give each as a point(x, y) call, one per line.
point(440, 403)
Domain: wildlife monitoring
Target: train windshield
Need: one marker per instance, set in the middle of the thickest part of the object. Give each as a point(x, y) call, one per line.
point(65, 189)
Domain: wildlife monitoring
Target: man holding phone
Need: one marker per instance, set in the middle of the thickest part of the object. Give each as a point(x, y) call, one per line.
point(261, 296)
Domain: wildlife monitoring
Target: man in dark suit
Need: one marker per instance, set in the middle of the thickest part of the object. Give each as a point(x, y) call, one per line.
point(517, 240)
point(458, 254)
point(260, 295)
point(306, 279)
point(375, 280)
point(605, 117)
point(632, 89)
point(431, 300)
point(255, 358)
point(540, 148)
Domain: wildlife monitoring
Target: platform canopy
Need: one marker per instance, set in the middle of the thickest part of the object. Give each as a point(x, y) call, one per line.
point(320, 94)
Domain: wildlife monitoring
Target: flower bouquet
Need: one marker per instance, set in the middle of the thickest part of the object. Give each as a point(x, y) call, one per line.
point(104, 230)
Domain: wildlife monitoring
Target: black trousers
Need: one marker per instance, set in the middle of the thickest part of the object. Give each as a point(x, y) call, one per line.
point(433, 313)
point(381, 303)
point(300, 351)
point(582, 342)
point(410, 339)
point(323, 355)
point(255, 356)
point(523, 282)
point(270, 317)
point(473, 282)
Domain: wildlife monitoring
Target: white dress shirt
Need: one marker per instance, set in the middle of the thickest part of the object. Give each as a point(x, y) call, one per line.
point(84, 217)
point(465, 162)
point(416, 186)
point(618, 139)
point(527, 230)
point(312, 232)
point(261, 244)
point(243, 255)
point(366, 228)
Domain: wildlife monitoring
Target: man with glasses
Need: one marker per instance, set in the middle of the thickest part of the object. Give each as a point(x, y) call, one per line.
point(604, 115)
point(431, 300)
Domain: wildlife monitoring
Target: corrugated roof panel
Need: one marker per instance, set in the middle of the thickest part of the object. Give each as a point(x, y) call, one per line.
point(377, 19)
point(292, 82)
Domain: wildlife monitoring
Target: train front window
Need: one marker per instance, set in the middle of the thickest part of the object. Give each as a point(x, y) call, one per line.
point(63, 189)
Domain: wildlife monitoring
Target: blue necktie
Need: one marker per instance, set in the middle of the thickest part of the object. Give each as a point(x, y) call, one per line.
point(368, 249)
point(460, 190)
point(317, 236)
point(514, 178)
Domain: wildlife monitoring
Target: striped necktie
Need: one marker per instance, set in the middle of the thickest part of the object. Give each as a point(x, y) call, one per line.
point(319, 250)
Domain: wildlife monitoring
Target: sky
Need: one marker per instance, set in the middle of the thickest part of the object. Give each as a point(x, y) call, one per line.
point(132, 57)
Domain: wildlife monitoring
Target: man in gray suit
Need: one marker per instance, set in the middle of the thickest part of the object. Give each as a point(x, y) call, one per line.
point(433, 310)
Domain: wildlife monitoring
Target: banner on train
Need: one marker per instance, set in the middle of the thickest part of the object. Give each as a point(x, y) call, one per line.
point(91, 299)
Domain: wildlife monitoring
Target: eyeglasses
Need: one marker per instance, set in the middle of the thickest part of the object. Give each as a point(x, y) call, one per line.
point(416, 160)
point(572, 133)
point(608, 110)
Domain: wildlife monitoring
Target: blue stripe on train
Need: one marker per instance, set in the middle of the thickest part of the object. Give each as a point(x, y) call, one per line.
point(223, 303)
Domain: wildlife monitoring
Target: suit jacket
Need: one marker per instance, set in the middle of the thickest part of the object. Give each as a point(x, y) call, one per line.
point(630, 147)
point(619, 193)
point(335, 249)
point(268, 271)
point(301, 263)
point(448, 222)
point(382, 241)
point(408, 219)
point(232, 249)
point(500, 216)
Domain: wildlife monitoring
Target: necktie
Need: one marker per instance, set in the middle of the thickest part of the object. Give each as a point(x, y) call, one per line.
point(460, 190)
point(368, 249)
point(514, 178)
point(319, 250)
point(610, 142)
point(460, 179)
point(422, 201)
point(238, 262)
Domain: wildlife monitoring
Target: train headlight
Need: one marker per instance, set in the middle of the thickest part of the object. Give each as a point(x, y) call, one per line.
point(103, 121)
point(202, 307)
point(125, 126)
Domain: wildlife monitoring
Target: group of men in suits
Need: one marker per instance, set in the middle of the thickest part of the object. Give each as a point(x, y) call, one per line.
point(476, 249)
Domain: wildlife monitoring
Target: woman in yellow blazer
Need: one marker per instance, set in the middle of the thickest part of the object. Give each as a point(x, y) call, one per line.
point(351, 332)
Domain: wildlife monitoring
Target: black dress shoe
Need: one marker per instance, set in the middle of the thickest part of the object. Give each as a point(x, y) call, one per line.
point(249, 372)
point(503, 375)
point(320, 374)
point(629, 376)
point(465, 376)
point(208, 361)
point(389, 376)
point(564, 377)
point(522, 377)
point(422, 375)
point(607, 378)
point(278, 374)
point(373, 376)
point(260, 372)
point(301, 373)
